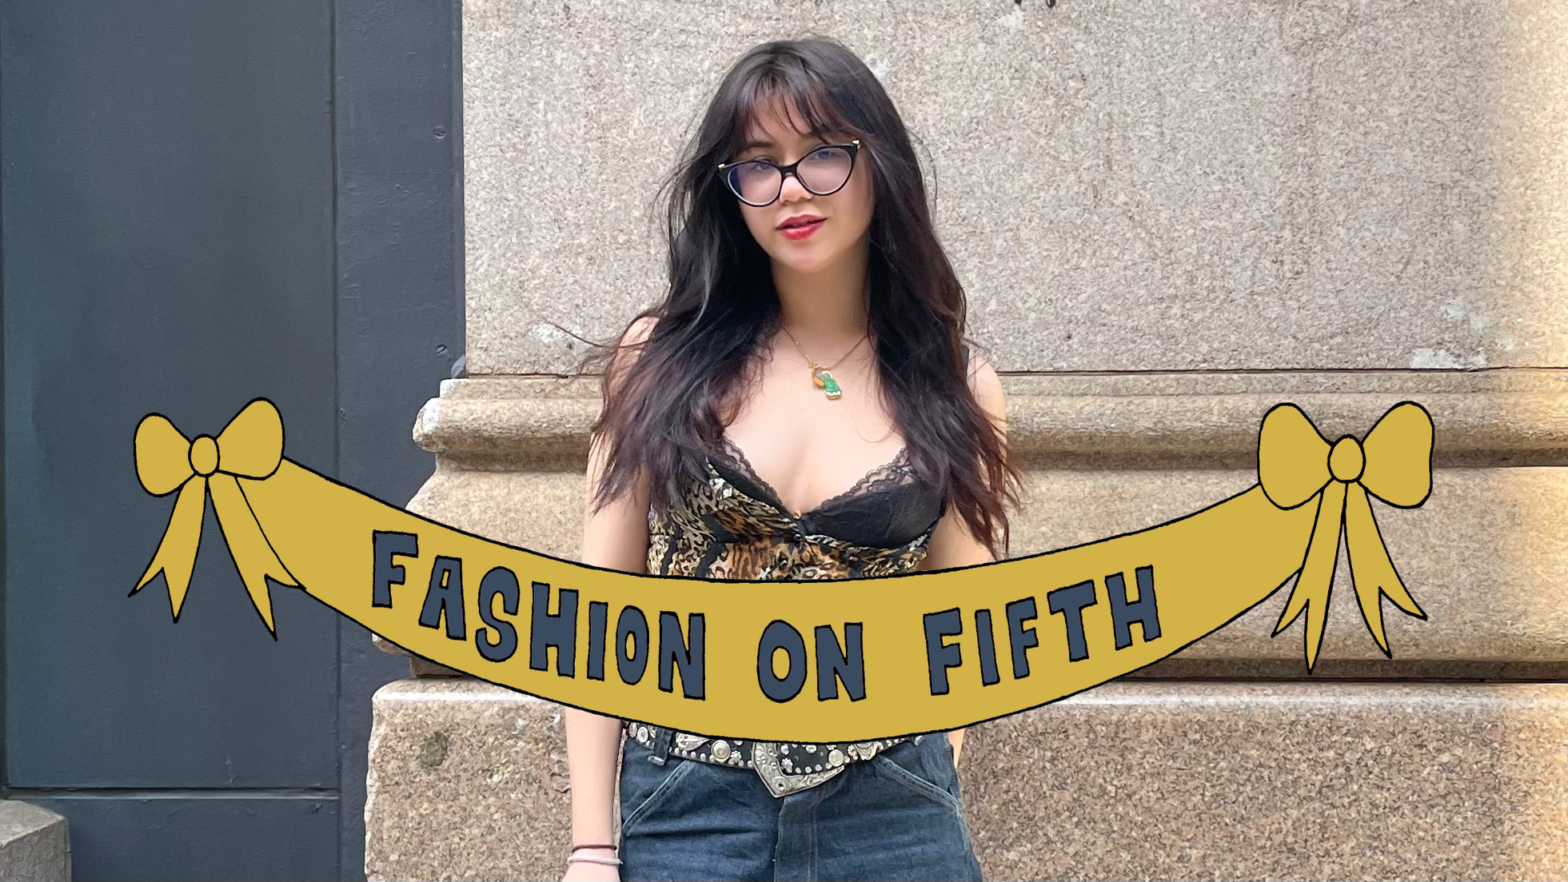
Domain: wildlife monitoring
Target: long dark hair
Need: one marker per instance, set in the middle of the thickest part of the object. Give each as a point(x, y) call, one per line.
point(661, 408)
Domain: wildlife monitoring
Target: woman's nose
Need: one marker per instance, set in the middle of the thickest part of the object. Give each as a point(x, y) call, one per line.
point(792, 179)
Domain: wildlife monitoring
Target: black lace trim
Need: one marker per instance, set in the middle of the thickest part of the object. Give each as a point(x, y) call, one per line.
point(894, 472)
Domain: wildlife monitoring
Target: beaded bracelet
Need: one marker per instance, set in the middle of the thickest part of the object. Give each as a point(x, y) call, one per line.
point(614, 862)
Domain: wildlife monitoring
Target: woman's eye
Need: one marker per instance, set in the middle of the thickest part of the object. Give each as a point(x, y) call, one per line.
point(752, 171)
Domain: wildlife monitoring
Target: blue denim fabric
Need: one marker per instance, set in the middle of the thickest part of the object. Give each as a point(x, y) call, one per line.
point(897, 816)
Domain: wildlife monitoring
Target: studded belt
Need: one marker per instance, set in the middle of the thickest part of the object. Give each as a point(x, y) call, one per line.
point(784, 767)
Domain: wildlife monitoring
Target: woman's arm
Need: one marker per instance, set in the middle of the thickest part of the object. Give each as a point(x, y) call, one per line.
point(615, 537)
point(952, 545)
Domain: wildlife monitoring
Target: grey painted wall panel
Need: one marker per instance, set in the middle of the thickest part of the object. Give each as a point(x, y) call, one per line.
point(141, 837)
point(201, 204)
point(168, 224)
point(399, 314)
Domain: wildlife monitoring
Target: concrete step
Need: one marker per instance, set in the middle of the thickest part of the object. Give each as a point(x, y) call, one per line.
point(34, 846)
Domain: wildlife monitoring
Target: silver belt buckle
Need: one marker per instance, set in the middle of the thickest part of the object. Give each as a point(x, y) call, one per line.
point(765, 758)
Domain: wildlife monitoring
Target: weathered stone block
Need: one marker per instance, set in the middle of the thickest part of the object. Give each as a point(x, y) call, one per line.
point(1275, 781)
point(466, 781)
point(1131, 780)
point(34, 845)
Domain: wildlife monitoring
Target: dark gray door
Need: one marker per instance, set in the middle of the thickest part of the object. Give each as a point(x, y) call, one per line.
point(190, 217)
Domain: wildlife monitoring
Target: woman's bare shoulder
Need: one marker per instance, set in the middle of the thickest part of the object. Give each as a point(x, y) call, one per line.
point(986, 385)
point(627, 350)
point(639, 331)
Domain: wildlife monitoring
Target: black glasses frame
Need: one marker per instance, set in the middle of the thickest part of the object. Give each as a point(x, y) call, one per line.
point(854, 151)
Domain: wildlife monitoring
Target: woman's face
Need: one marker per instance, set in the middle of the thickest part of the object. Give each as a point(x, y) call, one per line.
point(845, 214)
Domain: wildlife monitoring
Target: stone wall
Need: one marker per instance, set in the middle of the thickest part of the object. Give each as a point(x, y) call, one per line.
point(1168, 217)
point(1121, 186)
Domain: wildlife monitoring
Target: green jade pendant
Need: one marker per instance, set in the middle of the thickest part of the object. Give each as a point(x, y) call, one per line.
point(825, 381)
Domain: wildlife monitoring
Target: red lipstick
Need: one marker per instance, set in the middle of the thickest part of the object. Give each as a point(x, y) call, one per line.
point(800, 226)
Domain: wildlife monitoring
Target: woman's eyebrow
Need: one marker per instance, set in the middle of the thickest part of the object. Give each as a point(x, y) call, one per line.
point(751, 144)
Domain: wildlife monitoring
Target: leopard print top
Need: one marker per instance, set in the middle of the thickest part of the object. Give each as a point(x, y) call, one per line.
point(734, 526)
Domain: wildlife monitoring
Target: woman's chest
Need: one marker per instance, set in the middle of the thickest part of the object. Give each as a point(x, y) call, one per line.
point(805, 447)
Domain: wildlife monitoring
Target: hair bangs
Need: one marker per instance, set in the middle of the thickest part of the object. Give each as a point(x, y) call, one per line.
point(793, 90)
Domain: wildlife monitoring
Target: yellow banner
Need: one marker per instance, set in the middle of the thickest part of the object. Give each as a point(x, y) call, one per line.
point(835, 662)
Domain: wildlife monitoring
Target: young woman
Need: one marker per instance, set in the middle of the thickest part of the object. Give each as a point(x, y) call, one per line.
point(802, 405)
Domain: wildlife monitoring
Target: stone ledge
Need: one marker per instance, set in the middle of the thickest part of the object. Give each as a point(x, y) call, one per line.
point(34, 843)
point(1484, 557)
point(1512, 418)
point(1211, 780)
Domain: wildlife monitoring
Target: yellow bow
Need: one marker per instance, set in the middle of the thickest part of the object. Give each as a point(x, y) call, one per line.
point(250, 446)
point(1296, 463)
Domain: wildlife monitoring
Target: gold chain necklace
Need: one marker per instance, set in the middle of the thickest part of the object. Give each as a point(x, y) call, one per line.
point(820, 373)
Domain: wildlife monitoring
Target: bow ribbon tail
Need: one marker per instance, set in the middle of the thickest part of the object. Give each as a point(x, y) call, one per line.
point(253, 554)
point(176, 554)
point(1370, 567)
point(1317, 571)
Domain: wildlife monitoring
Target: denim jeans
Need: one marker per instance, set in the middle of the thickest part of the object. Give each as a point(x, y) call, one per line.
point(897, 816)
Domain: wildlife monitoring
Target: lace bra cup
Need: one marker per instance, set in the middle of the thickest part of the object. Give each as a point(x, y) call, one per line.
point(888, 507)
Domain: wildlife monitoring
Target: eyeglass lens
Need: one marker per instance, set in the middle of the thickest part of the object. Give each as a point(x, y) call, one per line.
point(824, 171)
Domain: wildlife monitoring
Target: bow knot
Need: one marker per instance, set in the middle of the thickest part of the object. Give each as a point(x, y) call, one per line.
point(1297, 465)
point(1346, 461)
point(250, 446)
point(204, 455)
